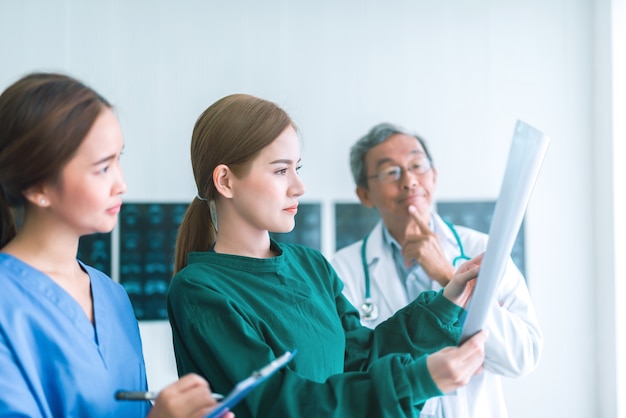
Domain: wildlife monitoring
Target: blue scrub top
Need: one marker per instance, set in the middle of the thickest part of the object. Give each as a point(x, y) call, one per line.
point(53, 361)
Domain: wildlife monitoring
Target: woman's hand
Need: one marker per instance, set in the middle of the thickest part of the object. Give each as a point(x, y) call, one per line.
point(452, 367)
point(461, 287)
point(189, 397)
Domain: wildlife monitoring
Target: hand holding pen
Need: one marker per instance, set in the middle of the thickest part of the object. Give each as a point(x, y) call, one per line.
point(189, 397)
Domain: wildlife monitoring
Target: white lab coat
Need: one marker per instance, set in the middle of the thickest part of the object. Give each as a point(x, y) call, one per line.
point(515, 339)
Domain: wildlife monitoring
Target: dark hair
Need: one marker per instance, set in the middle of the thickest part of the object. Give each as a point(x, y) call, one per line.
point(377, 135)
point(44, 117)
point(231, 131)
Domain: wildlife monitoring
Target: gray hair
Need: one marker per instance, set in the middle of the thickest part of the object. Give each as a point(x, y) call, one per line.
point(377, 135)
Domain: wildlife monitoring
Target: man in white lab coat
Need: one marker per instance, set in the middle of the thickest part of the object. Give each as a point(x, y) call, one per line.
point(413, 249)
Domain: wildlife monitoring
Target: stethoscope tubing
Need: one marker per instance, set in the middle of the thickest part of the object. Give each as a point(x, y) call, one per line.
point(369, 311)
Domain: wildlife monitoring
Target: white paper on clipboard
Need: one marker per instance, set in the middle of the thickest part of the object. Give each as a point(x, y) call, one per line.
point(526, 155)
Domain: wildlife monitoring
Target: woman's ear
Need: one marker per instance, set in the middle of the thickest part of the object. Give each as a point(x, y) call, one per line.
point(222, 178)
point(37, 196)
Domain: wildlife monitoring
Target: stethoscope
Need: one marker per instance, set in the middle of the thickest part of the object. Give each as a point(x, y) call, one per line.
point(369, 310)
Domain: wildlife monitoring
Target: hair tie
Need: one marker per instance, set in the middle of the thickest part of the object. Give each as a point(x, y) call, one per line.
point(200, 197)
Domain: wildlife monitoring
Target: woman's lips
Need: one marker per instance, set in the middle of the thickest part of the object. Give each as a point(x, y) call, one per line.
point(292, 209)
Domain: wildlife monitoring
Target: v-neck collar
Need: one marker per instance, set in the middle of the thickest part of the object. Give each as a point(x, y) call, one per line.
point(34, 280)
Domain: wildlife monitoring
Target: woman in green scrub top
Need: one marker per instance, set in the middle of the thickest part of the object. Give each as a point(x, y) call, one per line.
point(240, 299)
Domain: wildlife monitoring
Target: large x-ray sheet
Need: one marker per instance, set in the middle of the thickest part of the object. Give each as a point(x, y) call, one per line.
point(526, 154)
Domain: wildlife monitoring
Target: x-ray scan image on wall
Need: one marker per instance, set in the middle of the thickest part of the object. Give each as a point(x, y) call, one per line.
point(146, 260)
point(95, 251)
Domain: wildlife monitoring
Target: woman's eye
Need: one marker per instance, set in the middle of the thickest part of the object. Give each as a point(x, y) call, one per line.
point(282, 171)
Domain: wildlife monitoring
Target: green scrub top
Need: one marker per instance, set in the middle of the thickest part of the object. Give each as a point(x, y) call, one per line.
point(231, 315)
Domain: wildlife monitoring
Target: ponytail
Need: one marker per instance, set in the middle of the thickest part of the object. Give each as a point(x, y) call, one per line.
point(197, 232)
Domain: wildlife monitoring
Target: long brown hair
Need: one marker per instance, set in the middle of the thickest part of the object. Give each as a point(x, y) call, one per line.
point(231, 131)
point(44, 117)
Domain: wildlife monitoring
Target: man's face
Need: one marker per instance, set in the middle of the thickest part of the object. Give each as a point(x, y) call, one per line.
point(399, 176)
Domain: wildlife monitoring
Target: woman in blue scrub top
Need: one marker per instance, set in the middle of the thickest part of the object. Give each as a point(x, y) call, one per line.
point(68, 336)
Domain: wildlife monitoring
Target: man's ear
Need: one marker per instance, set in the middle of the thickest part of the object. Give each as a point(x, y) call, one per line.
point(222, 178)
point(37, 196)
point(364, 196)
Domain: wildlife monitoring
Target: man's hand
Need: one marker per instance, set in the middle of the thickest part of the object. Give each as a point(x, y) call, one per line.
point(422, 245)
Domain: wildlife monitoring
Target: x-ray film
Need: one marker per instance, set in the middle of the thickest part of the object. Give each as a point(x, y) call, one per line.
point(526, 155)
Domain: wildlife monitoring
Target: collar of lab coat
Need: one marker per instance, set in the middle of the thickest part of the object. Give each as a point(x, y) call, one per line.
point(383, 277)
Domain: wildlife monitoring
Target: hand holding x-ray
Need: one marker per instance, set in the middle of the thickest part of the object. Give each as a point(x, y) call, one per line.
point(460, 289)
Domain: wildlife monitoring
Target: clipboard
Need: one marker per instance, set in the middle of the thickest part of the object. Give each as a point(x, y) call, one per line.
point(528, 149)
point(257, 377)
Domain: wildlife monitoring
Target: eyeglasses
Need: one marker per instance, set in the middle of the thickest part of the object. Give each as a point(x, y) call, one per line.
point(393, 173)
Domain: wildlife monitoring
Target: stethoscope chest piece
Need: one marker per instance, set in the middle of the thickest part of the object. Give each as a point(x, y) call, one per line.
point(369, 311)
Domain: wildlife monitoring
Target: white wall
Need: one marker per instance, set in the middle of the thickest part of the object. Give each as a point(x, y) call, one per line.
point(459, 72)
point(610, 200)
point(618, 110)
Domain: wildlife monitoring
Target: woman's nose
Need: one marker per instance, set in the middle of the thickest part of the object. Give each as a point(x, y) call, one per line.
point(120, 185)
point(297, 188)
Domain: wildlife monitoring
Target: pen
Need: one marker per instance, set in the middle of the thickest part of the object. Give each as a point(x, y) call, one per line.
point(137, 395)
